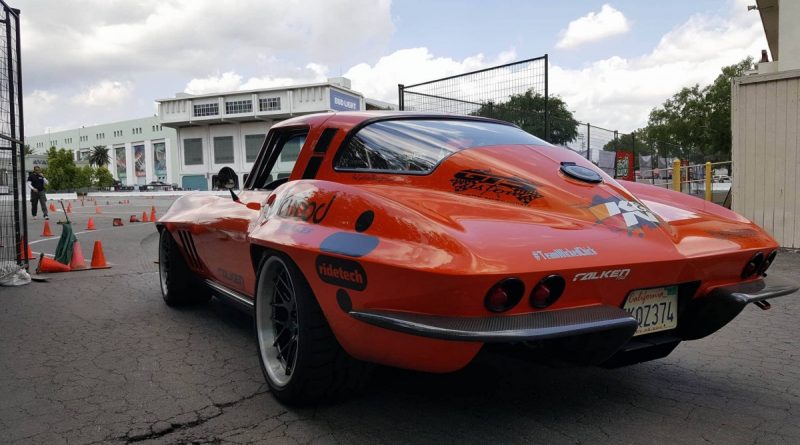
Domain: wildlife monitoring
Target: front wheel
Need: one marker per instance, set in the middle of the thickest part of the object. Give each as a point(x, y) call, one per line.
point(179, 286)
point(300, 357)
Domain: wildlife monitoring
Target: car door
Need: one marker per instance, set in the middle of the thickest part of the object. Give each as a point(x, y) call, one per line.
point(227, 221)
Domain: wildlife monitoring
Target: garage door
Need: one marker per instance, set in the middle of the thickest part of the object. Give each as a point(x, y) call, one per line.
point(195, 182)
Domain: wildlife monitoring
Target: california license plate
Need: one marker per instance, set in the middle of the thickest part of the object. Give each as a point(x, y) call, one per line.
point(655, 309)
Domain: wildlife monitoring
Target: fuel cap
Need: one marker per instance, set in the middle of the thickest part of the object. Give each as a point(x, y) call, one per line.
point(580, 173)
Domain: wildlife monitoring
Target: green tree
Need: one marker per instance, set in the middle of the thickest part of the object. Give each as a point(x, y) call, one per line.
point(61, 170)
point(636, 142)
point(527, 111)
point(28, 150)
point(103, 177)
point(99, 156)
point(695, 123)
point(84, 177)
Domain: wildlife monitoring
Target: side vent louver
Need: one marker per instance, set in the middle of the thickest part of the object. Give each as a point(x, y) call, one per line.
point(189, 249)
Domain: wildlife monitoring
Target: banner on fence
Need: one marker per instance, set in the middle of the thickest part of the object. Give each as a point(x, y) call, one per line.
point(625, 165)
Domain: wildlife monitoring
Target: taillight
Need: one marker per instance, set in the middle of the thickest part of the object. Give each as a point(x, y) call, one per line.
point(753, 265)
point(504, 295)
point(547, 291)
point(767, 262)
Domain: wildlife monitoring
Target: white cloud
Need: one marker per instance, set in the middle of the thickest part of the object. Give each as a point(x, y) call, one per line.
point(594, 26)
point(104, 93)
point(414, 65)
point(618, 93)
point(231, 81)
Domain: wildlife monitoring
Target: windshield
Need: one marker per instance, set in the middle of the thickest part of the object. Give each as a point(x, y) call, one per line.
point(418, 145)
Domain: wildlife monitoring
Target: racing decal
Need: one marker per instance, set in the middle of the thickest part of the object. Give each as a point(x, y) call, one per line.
point(341, 272)
point(485, 184)
point(304, 209)
point(556, 254)
point(353, 244)
point(635, 216)
point(231, 277)
point(617, 274)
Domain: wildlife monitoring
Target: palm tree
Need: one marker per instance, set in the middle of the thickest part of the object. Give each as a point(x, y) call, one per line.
point(99, 156)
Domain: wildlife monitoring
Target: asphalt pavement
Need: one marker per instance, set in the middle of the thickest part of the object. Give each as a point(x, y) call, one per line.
point(97, 357)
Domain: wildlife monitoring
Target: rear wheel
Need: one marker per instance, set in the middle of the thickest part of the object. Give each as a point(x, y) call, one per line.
point(179, 286)
point(300, 357)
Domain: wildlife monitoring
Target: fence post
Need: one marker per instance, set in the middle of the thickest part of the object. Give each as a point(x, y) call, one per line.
point(615, 153)
point(589, 142)
point(401, 103)
point(635, 160)
point(709, 190)
point(546, 99)
point(676, 175)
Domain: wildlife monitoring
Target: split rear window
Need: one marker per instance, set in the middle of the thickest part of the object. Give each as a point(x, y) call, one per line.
point(418, 145)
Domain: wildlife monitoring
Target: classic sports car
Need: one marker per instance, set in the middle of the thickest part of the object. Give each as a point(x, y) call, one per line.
point(415, 240)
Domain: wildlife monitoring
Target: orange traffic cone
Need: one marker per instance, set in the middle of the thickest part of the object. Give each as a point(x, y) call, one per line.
point(48, 265)
point(97, 210)
point(31, 256)
point(98, 258)
point(46, 230)
point(133, 219)
point(69, 208)
point(78, 262)
point(144, 217)
point(90, 224)
point(117, 222)
point(52, 207)
point(153, 214)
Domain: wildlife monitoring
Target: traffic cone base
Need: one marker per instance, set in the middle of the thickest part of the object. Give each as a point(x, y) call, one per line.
point(90, 224)
point(117, 222)
point(133, 219)
point(78, 262)
point(46, 229)
point(98, 257)
point(49, 265)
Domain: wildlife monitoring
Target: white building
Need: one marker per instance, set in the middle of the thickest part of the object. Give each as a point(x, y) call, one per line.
point(227, 129)
point(141, 149)
point(765, 112)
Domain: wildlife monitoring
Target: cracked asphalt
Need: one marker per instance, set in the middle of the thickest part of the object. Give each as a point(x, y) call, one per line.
point(96, 357)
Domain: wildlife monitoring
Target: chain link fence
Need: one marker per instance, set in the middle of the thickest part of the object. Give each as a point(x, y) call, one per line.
point(13, 224)
point(519, 93)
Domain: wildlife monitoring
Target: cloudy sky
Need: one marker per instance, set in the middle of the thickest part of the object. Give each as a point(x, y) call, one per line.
point(87, 62)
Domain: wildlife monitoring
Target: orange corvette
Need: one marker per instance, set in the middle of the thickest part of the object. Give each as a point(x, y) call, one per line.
point(416, 240)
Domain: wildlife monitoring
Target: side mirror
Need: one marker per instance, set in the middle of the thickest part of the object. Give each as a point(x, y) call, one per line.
point(254, 205)
point(226, 179)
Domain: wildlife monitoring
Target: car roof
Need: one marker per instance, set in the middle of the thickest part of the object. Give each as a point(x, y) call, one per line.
point(356, 117)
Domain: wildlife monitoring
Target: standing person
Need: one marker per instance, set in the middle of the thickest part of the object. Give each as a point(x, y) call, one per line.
point(36, 183)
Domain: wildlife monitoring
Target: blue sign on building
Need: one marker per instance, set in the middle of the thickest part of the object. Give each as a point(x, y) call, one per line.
point(344, 102)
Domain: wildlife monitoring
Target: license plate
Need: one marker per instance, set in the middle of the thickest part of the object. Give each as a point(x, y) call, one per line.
point(655, 309)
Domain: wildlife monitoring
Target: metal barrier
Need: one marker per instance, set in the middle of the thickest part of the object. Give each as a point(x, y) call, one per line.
point(710, 181)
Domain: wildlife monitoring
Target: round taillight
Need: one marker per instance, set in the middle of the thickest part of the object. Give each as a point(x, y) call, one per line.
point(753, 265)
point(504, 295)
point(547, 291)
point(767, 262)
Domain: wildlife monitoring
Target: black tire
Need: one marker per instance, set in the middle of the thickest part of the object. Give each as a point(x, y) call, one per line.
point(179, 286)
point(319, 368)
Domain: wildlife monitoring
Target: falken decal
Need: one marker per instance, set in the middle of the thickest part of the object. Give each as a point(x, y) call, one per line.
point(485, 184)
point(617, 274)
point(633, 215)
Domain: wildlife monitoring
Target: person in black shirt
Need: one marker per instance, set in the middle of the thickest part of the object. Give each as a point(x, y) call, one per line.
point(36, 184)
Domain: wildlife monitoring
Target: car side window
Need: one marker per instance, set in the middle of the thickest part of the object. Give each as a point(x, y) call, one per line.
point(280, 160)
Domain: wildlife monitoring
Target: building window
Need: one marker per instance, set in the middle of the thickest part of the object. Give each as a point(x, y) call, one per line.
point(269, 104)
point(223, 150)
point(206, 110)
point(252, 145)
point(193, 151)
point(239, 106)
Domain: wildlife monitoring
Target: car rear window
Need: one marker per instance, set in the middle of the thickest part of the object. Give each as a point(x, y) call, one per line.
point(418, 145)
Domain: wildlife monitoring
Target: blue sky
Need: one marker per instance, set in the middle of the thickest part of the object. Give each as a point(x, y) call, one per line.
point(96, 61)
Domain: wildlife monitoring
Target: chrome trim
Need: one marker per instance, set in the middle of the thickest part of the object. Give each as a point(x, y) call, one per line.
point(509, 328)
point(230, 294)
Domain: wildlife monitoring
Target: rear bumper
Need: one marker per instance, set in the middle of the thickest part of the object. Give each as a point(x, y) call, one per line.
point(706, 315)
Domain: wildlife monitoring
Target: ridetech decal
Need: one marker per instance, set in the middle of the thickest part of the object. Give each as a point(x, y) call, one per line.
point(633, 214)
point(485, 184)
point(563, 253)
point(619, 274)
point(302, 208)
point(341, 272)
